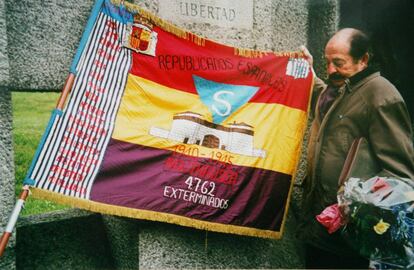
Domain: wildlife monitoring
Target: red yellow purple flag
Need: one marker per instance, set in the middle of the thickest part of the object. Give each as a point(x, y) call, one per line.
point(165, 125)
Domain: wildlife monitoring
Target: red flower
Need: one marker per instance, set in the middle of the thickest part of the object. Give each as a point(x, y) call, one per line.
point(330, 218)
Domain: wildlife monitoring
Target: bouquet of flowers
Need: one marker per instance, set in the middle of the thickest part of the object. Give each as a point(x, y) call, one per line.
point(377, 219)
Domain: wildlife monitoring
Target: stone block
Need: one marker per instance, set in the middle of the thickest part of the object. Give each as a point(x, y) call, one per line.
point(66, 239)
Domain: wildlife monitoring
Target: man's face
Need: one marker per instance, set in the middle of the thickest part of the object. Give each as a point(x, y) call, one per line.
point(341, 65)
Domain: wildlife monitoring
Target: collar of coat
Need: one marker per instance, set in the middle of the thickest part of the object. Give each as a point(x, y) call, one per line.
point(354, 80)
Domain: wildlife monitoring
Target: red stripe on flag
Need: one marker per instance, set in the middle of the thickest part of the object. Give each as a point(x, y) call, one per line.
point(177, 60)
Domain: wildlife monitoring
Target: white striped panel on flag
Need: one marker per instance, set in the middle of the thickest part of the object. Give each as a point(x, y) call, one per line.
point(76, 143)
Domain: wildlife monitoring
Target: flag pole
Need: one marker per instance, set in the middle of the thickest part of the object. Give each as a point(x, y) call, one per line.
point(65, 91)
point(25, 189)
point(67, 87)
point(13, 219)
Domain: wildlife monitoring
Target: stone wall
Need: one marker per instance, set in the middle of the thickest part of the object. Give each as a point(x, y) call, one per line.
point(323, 23)
point(6, 144)
point(42, 39)
point(70, 239)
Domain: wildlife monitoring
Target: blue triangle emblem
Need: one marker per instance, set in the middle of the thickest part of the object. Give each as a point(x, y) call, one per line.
point(223, 99)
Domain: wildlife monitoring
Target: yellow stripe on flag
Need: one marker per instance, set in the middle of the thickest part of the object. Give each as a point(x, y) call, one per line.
point(148, 108)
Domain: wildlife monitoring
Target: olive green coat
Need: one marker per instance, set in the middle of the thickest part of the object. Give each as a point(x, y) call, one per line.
point(372, 108)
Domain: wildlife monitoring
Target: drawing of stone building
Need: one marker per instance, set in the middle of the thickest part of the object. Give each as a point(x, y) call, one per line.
point(191, 128)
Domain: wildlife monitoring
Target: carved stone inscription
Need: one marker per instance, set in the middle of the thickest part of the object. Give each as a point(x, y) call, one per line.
point(224, 13)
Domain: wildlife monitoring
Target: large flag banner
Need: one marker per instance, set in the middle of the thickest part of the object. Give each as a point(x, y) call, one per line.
point(164, 125)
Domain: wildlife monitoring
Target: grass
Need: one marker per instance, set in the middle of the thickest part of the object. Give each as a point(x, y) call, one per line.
point(31, 113)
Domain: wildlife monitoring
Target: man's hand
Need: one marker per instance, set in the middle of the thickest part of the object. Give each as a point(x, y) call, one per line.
point(307, 55)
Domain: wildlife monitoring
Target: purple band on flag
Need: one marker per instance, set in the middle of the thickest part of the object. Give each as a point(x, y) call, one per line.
point(160, 180)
